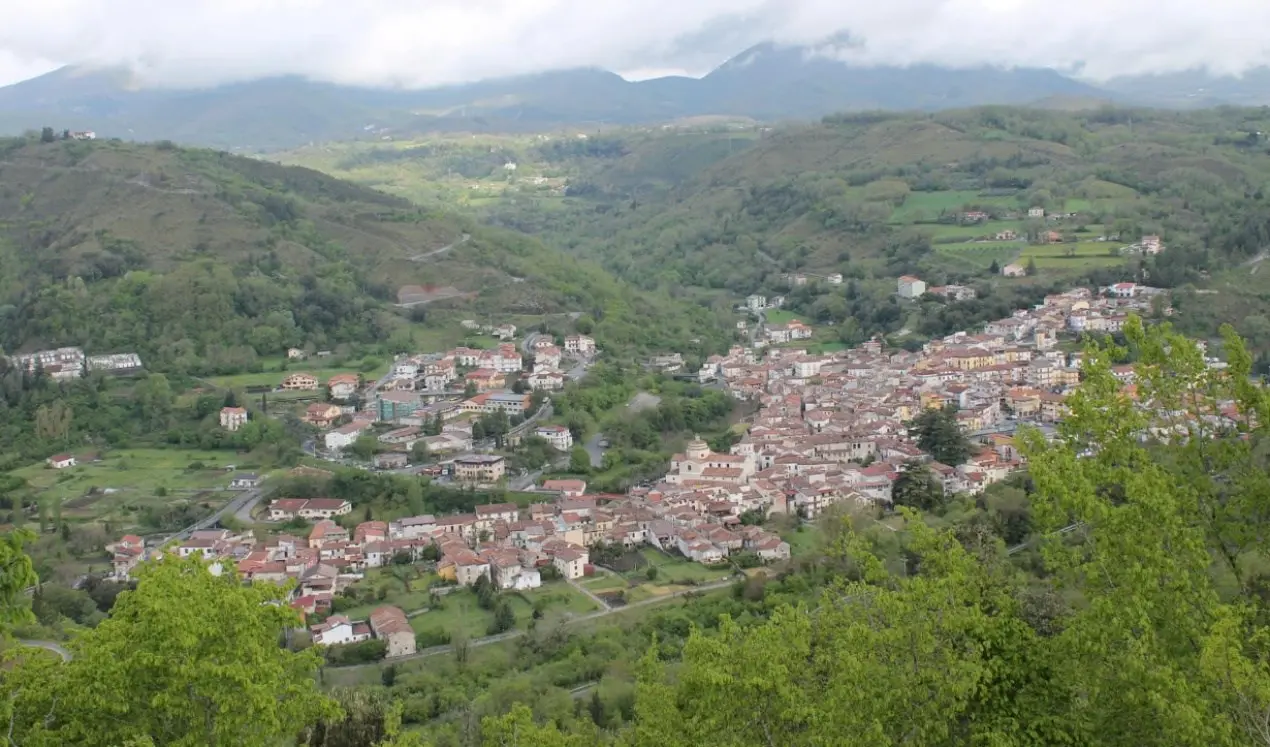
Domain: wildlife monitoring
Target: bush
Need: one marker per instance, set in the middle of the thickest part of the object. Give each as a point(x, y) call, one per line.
point(356, 653)
point(430, 638)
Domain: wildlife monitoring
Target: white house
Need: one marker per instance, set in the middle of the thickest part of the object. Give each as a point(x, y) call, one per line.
point(343, 437)
point(834, 278)
point(558, 436)
point(61, 461)
point(755, 302)
point(579, 344)
point(1036, 212)
point(1014, 271)
point(232, 418)
point(337, 629)
point(911, 287)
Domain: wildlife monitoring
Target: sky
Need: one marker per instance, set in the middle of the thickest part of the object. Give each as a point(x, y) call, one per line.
point(420, 43)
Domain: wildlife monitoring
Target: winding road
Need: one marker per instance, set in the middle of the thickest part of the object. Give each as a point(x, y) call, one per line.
point(48, 646)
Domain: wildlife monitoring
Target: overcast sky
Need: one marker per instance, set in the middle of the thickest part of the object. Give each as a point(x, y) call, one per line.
point(418, 43)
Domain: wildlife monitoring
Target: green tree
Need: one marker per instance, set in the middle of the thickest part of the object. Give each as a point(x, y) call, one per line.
point(579, 461)
point(364, 447)
point(17, 574)
point(938, 434)
point(47, 135)
point(1031, 267)
point(190, 657)
point(419, 452)
point(917, 488)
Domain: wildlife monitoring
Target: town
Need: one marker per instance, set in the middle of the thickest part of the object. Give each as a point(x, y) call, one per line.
point(830, 429)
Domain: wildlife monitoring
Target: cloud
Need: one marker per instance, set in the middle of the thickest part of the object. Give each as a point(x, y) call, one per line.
point(417, 43)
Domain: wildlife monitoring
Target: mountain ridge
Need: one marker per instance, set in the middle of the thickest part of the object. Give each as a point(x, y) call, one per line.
point(774, 83)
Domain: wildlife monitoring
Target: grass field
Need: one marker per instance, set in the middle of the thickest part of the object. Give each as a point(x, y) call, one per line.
point(991, 228)
point(781, 316)
point(274, 376)
point(127, 481)
point(981, 255)
point(928, 205)
point(459, 612)
point(1068, 256)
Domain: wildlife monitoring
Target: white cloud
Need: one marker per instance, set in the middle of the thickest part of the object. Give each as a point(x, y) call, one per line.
point(426, 42)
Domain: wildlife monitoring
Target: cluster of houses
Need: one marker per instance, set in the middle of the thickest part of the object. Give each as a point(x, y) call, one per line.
point(833, 427)
point(64, 364)
point(423, 390)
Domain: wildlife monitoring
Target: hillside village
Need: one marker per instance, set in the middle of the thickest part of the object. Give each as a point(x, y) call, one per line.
point(831, 429)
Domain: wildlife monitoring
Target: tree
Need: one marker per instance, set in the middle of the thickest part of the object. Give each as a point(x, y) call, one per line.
point(917, 488)
point(938, 434)
point(47, 135)
point(994, 268)
point(1031, 267)
point(368, 717)
point(364, 447)
point(579, 461)
point(188, 657)
point(17, 574)
point(419, 452)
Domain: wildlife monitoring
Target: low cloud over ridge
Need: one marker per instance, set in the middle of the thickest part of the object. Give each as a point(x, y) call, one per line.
point(420, 43)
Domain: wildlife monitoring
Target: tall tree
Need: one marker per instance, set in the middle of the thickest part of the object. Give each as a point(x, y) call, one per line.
point(938, 434)
point(916, 487)
point(192, 656)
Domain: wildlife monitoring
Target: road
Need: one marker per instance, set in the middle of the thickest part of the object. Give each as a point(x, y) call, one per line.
point(490, 640)
point(48, 646)
point(240, 506)
point(420, 257)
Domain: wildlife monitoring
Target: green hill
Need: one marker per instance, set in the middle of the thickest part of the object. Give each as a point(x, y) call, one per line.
point(203, 262)
point(715, 212)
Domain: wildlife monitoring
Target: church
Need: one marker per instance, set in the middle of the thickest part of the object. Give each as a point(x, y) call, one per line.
point(700, 465)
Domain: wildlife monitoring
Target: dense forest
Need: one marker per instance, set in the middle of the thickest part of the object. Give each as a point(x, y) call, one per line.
point(204, 263)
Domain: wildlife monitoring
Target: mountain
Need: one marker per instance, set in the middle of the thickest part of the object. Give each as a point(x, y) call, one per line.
point(766, 82)
point(201, 261)
point(1195, 88)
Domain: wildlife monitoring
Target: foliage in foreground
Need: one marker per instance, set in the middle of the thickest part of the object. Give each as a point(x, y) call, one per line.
point(1145, 625)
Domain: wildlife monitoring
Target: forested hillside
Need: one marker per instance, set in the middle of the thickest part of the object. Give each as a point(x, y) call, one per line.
point(944, 196)
point(202, 262)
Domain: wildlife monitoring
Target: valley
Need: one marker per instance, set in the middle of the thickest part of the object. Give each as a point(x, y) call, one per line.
point(582, 433)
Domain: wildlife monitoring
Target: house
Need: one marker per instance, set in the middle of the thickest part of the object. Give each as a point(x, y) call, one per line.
point(755, 302)
point(505, 331)
point(545, 381)
point(566, 488)
point(834, 278)
point(974, 216)
point(296, 354)
point(1006, 235)
point(1036, 212)
point(390, 624)
point(1151, 245)
point(1050, 237)
point(300, 382)
point(343, 437)
point(343, 386)
point(1123, 290)
point(84, 135)
point(479, 469)
point(484, 379)
point(508, 402)
point(327, 532)
point(285, 509)
point(322, 414)
point(390, 460)
point(245, 481)
point(579, 344)
point(232, 418)
point(910, 287)
point(571, 562)
point(337, 630)
point(128, 552)
point(560, 438)
point(1014, 271)
point(61, 461)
